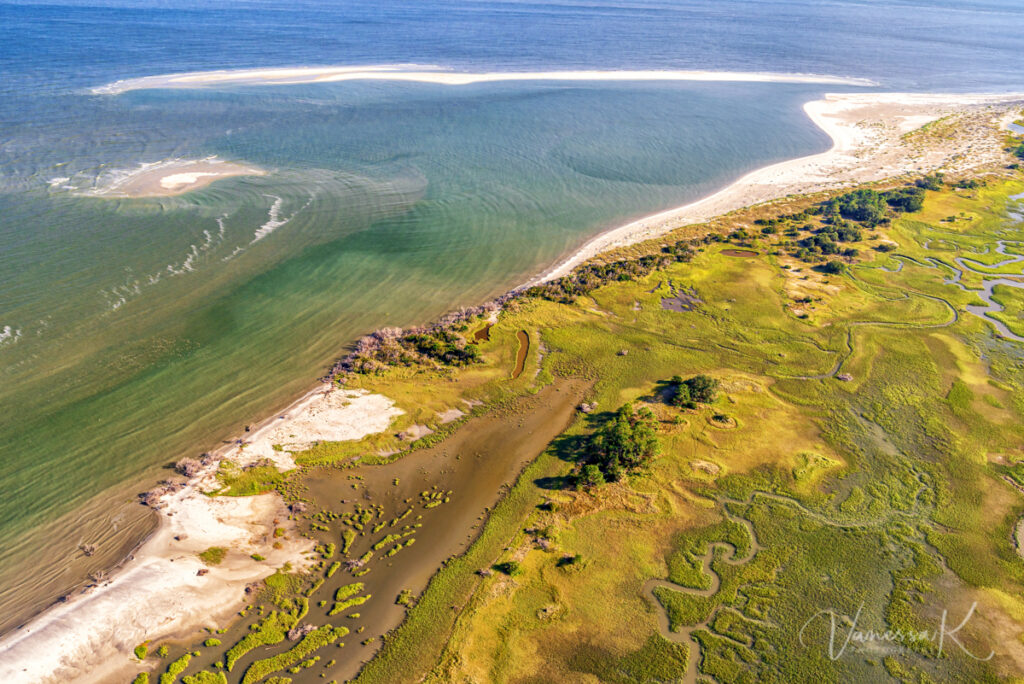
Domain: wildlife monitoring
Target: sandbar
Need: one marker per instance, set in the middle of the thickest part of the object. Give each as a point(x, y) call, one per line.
point(422, 74)
point(169, 178)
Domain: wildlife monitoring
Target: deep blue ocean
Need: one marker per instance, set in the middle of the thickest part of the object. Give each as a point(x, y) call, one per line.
point(133, 332)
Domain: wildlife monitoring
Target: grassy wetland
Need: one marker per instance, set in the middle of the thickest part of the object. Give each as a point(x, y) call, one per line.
point(822, 433)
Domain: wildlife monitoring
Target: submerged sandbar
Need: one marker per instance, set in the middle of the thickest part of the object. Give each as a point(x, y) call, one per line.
point(175, 177)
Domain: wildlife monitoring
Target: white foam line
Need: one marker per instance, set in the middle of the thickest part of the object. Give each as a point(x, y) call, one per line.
point(9, 335)
point(273, 220)
point(331, 74)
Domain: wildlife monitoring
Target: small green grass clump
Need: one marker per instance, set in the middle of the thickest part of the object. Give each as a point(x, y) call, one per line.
point(214, 555)
point(345, 598)
point(347, 537)
point(271, 630)
point(206, 677)
point(318, 638)
point(175, 668)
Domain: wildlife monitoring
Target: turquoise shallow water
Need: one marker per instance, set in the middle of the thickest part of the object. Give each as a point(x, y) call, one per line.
point(147, 329)
point(135, 331)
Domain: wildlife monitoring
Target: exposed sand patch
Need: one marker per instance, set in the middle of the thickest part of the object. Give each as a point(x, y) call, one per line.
point(423, 74)
point(870, 142)
point(450, 415)
point(159, 593)
point(169, 178)
point(414, 432)
point(323, 415)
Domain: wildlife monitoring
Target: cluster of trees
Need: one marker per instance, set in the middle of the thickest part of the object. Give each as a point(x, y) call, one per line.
point(700, 389)
point(870, 207)
point(826, 240)
point(587, 278)
point(626, 443)
point(389, 347)
point(445, 347)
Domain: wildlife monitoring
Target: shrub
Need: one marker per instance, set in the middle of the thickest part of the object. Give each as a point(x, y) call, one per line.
point(590, 476)
point(833, 267)
point(175, 669)
point(142, 650)
point(211, 642)
point(213, 555)
point(510, 568)
point(316, 639)
point(906, 199)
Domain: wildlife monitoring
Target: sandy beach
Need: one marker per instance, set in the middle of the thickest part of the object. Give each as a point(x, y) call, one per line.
point(874, 137)
point(160, 593)
point(424, 74)
point(165, 591)
point(169, 178)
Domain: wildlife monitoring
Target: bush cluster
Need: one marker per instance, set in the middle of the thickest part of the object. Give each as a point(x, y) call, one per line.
point(624, 444)
point(700, 389)
point(588, 278)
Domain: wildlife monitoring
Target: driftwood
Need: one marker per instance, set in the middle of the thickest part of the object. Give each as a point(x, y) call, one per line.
point(189, 467)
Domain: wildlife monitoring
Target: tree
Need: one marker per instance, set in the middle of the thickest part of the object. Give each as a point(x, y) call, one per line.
point(833, 267)
point(703, 388)
point(590, 476)
point(681, 394)
point(906, 199)
point(625, 443)
point(1020, 151)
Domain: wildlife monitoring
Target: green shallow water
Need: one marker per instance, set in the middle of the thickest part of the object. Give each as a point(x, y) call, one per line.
point(144, 330)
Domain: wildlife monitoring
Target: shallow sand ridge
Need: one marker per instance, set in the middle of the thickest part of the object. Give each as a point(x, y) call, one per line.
point(422, 74)
point(174, 177)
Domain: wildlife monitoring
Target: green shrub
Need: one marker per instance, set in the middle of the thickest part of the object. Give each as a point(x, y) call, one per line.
point(213, 555)
point(175, 669)
point(316, 639)
point(510, 568)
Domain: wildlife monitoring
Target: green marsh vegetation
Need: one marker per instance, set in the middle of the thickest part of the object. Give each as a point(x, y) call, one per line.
point(871, 417)
point(846, 437)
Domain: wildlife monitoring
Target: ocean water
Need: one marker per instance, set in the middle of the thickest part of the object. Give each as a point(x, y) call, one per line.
point(133, 332)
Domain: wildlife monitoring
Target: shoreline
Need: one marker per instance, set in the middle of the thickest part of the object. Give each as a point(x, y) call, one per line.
point(440, 76)
point(119, 613)
point(844, 164)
